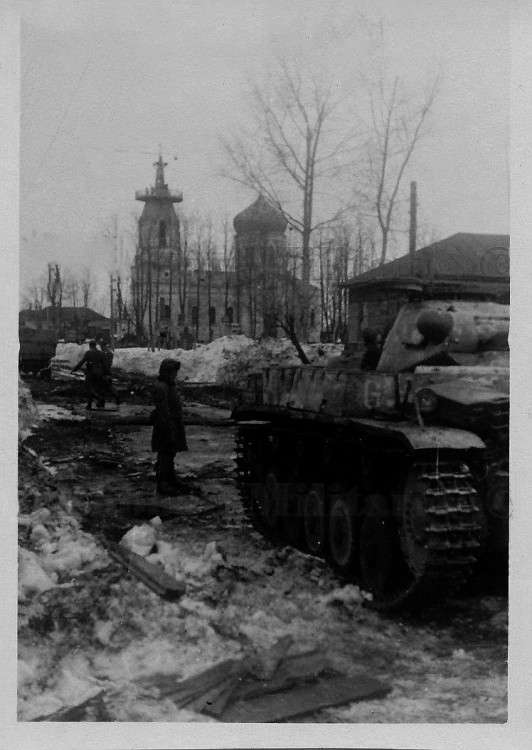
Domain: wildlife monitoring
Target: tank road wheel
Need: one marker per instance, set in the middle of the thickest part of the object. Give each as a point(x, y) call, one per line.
point(292, 522)
point(271, 503)
point(314, 520)
point(343, 547)
point(382, 568)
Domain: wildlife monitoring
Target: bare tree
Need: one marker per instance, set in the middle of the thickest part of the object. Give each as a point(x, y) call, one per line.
point(35, 295)
point(211, 265)
point(199, 263)
point(398, 123)
point(183, 265)
point(295, 144)
point(54, 292)
point(86, 286)
point(71, 288)
point(228, 263)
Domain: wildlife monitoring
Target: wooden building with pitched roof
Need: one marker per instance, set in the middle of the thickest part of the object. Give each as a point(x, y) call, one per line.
point(462, 265)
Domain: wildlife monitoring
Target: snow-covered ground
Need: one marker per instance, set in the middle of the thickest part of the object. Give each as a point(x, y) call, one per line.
point(224, 361)
point(28, 415)
point(87, 625)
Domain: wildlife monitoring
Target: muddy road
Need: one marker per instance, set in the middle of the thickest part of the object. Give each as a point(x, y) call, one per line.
point(101, 628)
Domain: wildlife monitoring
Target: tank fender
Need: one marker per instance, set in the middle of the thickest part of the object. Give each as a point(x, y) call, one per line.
point(421, 438)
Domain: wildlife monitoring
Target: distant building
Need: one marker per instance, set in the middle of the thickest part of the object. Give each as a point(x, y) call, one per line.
point(180, 300)
point(463, 264)
point(69, 323)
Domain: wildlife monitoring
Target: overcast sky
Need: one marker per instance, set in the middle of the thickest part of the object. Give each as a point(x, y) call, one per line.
point(105, 81)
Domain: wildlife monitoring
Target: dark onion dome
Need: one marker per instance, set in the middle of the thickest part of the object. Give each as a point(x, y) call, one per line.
point(261, 216)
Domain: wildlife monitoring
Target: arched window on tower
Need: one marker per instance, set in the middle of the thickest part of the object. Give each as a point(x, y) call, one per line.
point(162, 234)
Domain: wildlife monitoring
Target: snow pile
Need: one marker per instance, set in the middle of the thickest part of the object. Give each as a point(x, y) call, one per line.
point(143, 541)
point(28, 415)
point(60, 551)
point(348, 596)
point(225, 360)
point(198, 365)
point(52, 411)
point(69, 354)
point(139, 539)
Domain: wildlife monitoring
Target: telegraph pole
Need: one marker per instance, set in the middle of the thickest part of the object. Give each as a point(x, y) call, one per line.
point(413, 228)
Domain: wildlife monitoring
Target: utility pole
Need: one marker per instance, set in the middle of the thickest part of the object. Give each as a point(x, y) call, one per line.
point(111, 343)
point(413, 228)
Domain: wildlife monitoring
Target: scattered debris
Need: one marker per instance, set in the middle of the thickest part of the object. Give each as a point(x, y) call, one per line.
point(140, 540)
point(330, 689)
point(167, 507)
point(152, 575)
point(92, 709)
point(269, 687)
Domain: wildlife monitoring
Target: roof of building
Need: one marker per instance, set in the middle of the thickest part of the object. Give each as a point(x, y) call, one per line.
point(81, 314)
point(462, 256)
point(260, 216)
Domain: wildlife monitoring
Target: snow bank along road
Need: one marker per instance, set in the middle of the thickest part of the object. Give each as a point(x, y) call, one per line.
point(86, 626)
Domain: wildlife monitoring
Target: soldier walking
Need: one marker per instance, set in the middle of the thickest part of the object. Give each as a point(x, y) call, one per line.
point(108, 357)
point(168, 437)
point(94, 371)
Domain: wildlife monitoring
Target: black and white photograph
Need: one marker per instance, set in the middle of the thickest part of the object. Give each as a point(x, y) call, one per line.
point(263, 368)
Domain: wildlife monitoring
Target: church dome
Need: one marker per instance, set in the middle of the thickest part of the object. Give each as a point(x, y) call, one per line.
point(261, 216)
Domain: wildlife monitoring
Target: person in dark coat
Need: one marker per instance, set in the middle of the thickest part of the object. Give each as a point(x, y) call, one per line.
point(94, 372)
point(108, 357)
point(168, 437)
point(371, 357)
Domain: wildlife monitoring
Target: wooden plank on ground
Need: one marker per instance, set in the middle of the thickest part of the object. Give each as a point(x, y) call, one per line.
point(79, 712)
point(293, 670)
point(166, 506)
point(152, 575)
point(325, 692)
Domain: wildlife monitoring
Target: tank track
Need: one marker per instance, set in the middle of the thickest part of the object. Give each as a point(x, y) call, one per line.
point(451, 534)
point(439, 546)
point(247, 475)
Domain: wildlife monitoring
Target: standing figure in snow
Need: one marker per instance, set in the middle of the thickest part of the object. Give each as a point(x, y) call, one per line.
point(168, 437)
point(94, 370)
point(108, 357)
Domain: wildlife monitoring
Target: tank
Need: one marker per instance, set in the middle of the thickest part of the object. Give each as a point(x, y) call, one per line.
point(398, 477)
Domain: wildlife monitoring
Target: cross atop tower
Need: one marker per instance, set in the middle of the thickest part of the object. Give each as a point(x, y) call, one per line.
point(159, 173)
point(160, 191)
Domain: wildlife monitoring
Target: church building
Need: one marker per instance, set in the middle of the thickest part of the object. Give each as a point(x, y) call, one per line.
point(185, 303)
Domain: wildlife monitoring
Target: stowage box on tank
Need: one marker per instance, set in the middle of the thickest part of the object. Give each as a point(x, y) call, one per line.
point(399, 476)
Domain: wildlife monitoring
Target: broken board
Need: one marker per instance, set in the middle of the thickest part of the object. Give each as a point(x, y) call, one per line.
point(166, 506)
point(151, 575)
point(329, 690)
